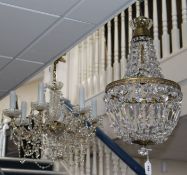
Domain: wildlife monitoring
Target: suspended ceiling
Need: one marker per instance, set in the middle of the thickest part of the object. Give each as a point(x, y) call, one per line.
point(35, 32)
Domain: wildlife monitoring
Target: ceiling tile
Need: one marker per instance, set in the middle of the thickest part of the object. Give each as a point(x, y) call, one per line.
point(97, 11)
point(19, 28)
point(15, 72)
point(57, 7)
point(4, 61)
point(57, 41)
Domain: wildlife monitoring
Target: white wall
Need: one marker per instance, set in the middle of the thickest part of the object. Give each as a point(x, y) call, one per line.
point(62, 76)
point(159, 167)
point(165, 167)
point(169, 167)
point(73, 74)
point(174, 68)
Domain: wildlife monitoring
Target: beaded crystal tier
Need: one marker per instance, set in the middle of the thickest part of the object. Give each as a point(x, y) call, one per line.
point(144, 107)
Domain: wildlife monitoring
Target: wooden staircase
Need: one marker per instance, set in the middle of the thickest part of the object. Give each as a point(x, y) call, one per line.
point(17, 166)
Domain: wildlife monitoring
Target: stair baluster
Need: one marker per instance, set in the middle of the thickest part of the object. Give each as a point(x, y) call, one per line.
point(137, 8)
point(102, 59)
point(88, 65)
point(116, 50)
point(123, 46)
point(96, 63)
point(76, 166)
point(123, 168)
point(88, 171)
point(175, 30)
point(109, 53)
point(94, 166)
point(129, 27)
point(165, 35)
point(115, 161)
point(184, 23)
point(71, 164)
point(146, 8)
point(100, 149)
point(82, 164)
point(155, 29)
point(107, 161)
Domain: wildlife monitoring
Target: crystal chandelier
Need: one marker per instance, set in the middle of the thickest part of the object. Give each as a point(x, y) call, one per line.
point(144, 107)
point(77, 136)
point(53, 130)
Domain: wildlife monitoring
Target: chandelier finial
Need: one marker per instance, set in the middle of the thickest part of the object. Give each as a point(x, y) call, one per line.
point(141, 26)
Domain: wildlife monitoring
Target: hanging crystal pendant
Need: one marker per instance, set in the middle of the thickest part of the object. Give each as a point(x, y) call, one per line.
point(144, 107)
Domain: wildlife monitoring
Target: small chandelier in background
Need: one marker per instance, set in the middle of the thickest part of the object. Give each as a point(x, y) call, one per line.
point(53, 130)
point(143, 106)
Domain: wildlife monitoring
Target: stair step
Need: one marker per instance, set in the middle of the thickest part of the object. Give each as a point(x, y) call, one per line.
point(29, 164)
point(11, 171)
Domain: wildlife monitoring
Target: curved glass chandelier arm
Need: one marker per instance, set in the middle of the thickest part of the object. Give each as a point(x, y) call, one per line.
point(61, 59)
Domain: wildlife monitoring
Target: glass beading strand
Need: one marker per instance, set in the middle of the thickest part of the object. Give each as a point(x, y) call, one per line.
point(52, 131)
point(143, 107)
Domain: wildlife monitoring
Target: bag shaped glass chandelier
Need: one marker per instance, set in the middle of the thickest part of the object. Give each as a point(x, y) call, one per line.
point(144, 107)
